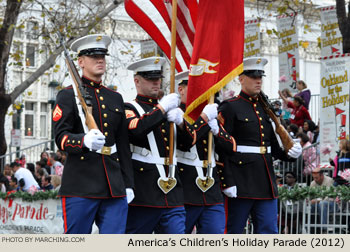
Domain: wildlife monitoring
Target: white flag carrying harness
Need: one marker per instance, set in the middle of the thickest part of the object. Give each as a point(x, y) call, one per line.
point(152, 156)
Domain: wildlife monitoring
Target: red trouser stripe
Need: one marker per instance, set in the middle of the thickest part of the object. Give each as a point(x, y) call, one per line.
point(64, 214)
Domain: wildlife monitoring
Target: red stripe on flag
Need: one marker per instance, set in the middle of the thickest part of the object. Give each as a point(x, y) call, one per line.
point(150, 20)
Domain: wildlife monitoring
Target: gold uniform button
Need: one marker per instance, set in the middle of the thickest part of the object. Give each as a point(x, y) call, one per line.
point(205, 141)
point(68, 141)
point(202, 122)
point(81, 158)
point(263, 143)
point(163, 130)
point(240, 162)
point(224, 185)
point(165, 139)
point(105, 115)
point(150, 100)
point(181, 169)
point(221, 133)
point(101, 98)
point(260, 118)
point(73, 141)
point(78, 142)
point(262, 134)
point(262, 126)
point(97, 91)
point(105, 124)
point(92, 84)
point(254, 105)
point(258, 112)
point(106, 133)
point(246, 119)
point(103, 106)
point(222, 178)
point(195, 126)
point(205, 150)
point(117, 159)
point(141, 169)
point(116, 110)
point(250, 99)
point(167, 148)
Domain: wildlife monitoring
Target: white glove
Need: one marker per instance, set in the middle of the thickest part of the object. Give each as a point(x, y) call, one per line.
point(230, 192)
point(129, 194)
point(170, 101)
point(175, 115)
point(296, 150)
point(211, 110)
point(214, 127)
point(94, 139)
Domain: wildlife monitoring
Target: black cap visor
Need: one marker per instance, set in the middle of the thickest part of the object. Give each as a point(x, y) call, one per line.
point(156, 74)
point(183, 82)
point(254, 73)
point(93, 51)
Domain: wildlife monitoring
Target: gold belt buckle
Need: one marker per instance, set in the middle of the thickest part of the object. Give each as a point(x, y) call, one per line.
point(166, 161)
point(205, 163)
point(106, 150)
point(262, 149)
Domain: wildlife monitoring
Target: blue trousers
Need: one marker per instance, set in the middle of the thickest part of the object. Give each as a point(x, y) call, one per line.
point(80, 213)
point(263, 213)
point(145, 220)
point(207, 219)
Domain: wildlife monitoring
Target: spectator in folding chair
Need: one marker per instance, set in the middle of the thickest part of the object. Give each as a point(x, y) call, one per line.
point(322, 207)
point(291, 210)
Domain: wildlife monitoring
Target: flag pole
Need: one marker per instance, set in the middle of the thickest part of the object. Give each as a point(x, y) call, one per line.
point(172, 75)
point(168, 183)
point(210, 139)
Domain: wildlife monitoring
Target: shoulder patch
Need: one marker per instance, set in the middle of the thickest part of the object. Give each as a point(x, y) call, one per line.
point(57, 113)
point(129, 113)
point(133, 123)
point(221, 119)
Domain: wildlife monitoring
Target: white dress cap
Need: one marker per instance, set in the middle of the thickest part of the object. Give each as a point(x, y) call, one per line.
point(254, 63)
point(147, 64)
point(98, 43)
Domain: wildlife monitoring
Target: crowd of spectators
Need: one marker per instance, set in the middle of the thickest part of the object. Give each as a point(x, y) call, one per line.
point(45, 175)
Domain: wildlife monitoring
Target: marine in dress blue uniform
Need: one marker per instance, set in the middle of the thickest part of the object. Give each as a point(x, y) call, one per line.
point(152, 210)
point(248, 172)
point(97, 173)
point(204, 208)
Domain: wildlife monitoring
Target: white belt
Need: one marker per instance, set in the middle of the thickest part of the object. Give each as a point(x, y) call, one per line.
point(144, 155)
point(107, 150)
point(254, 149)
point(189, 158)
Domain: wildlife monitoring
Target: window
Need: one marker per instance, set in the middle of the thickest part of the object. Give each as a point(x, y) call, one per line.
point(30, 56)
point(32, 30)
point(17, 54)
point(29, 119)
point(43, 120)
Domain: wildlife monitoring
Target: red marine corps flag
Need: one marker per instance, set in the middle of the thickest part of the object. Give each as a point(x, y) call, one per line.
point(217, 51)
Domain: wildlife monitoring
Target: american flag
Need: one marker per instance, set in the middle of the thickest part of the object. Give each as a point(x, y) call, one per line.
point(154, 16)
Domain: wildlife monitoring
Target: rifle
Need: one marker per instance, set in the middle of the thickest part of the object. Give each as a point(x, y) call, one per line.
point(83, 96)
point(286, 139)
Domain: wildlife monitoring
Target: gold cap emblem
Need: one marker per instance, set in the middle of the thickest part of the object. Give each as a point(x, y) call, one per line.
point(156, 61)
point(258, 61)
point(98, 38)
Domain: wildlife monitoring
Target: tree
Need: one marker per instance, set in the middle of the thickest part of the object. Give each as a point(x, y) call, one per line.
point(344, 23)
point(74, 19)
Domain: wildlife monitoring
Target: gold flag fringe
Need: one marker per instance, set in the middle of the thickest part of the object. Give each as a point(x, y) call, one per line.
point(212, 91)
